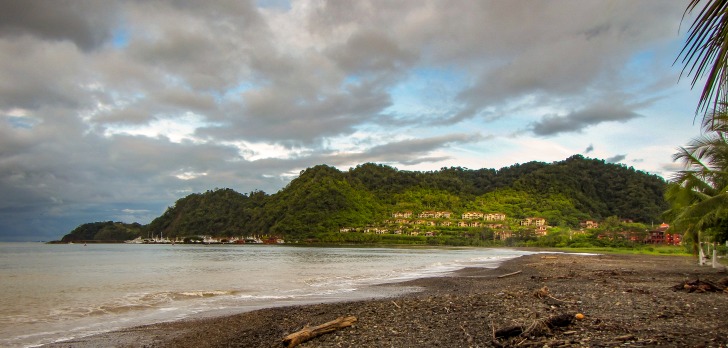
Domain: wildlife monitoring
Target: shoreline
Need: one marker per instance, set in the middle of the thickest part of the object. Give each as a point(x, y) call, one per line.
point(625, 299)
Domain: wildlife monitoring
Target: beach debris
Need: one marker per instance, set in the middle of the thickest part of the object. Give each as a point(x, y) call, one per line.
point(627, 337)
point(579, 316)
point(308, 332)
point(509, 274)
point(537, 328)
point(544, 293)
point(700, 286)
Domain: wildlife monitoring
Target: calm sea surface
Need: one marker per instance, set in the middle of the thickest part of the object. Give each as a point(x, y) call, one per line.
point(55, 292)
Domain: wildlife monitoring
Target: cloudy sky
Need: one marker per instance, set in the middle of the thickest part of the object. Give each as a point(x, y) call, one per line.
point(113, 110)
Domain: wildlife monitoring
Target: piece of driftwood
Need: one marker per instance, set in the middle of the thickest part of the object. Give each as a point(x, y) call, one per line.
point(308, 332)
point(537, 327)
point(509, 274)
point(544, 293)
point(700, 286)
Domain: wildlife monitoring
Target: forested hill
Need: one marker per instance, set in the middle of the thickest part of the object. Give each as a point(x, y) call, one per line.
point(324, 199)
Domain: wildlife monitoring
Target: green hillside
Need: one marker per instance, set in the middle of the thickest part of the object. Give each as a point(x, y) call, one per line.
point(323, 199)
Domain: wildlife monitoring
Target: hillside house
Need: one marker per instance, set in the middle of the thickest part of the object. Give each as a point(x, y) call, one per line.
point(661, 236)
point(428, 214)
point(402, 214)
point(376, 230)
point(589, 224)
point(495, 217)
point(470, 215)
point(533, 221)
point(540, 230)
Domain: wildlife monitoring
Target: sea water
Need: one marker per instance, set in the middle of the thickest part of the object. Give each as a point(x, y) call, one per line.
point(55, 292)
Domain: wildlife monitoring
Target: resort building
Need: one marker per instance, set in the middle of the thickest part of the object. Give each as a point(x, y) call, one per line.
point(495, 217)
point(472, 215)
point(540, 230)
point(402, 214)
point(428, 214)
point(533, 221)
point(660, 236)
point(589, 224)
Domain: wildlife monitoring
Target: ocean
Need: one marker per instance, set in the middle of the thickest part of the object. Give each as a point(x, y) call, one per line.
point(53, 292)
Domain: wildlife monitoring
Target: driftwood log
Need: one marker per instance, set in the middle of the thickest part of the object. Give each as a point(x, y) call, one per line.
point(699, 285)
point(509, 274)
point(560, 320)
point(308, 332)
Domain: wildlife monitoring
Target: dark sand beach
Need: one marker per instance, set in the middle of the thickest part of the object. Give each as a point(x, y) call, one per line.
point(626, 300)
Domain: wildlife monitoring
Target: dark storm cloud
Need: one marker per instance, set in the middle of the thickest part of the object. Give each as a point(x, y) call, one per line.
point(41, 74)
point(159, 104)
point(205, 45)
point(371, 52)
point(287, 117)
point(409, 151)
point(589, 148)
point(578, 120)
point(87, 24)
point(616, 158)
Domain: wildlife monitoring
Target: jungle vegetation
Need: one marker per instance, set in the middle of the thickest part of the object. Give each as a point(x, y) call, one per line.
point(322, 200)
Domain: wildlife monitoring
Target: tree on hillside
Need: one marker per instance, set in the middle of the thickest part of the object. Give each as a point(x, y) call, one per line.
point(706, 53)
point(699, 193)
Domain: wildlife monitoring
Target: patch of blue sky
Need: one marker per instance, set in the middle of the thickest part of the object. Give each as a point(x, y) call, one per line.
point(19, 118)
point(352, 79)
point(233, 93)
point(645, 69)
point(274, 4)
point(120, 37)
point(21, 122)
point(427, 93)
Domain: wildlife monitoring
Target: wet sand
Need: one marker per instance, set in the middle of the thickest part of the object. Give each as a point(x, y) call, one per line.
point(626, 300)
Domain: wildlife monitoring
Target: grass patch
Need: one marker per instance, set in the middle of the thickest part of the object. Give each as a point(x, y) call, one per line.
point(646, 250)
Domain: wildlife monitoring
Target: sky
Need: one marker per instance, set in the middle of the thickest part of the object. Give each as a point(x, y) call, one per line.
point(113, 110)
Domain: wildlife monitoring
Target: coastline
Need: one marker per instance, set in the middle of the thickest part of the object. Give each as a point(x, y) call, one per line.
point(626, 299)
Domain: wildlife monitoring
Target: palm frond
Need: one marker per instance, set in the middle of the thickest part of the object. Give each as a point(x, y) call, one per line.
point(706, 52)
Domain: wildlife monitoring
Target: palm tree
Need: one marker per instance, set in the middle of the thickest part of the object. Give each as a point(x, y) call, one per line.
point(706, 52)
point(698, 194)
